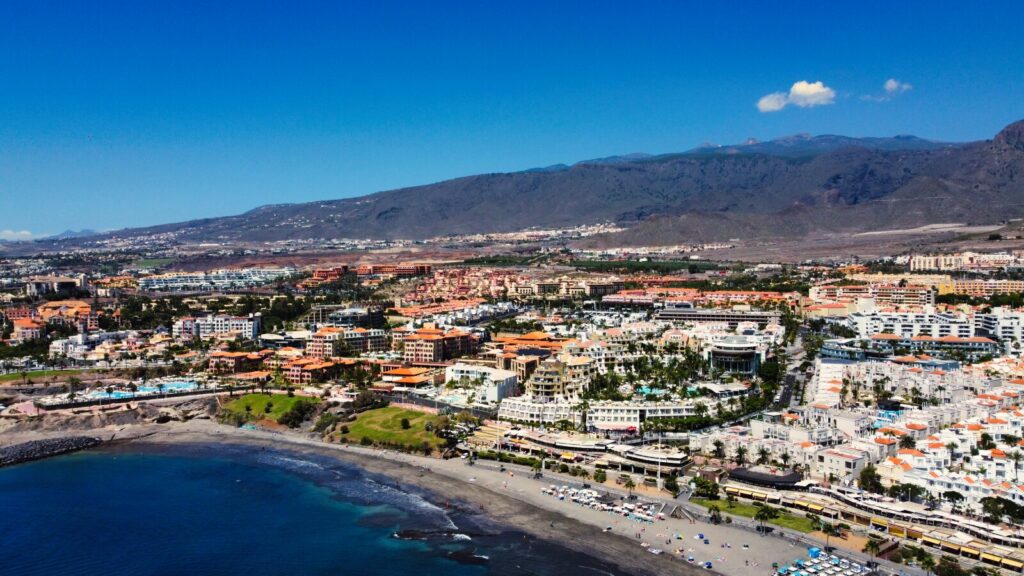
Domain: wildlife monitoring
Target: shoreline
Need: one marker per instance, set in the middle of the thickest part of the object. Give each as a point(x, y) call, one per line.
point(436, 485)
point(510, 499)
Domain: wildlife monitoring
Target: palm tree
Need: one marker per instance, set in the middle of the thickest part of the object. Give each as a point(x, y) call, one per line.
point(828, 529)
point(762, 455)
point(715, 514)
point(629, 484)
point(1015, 457)
point(741, 455)
point(583, 407)
point(719, 448)
point(954, 498)
point(765, 513)
point(785, 459)
point(872, 547)
point(928, 563)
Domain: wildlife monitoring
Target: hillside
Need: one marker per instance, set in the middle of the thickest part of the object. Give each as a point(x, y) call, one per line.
point(784, 188)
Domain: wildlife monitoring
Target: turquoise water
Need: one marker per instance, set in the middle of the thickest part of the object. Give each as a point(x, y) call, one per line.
point(183, 386)
point(260, 514)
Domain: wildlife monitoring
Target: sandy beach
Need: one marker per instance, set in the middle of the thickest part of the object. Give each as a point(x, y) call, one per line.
point(513, 498)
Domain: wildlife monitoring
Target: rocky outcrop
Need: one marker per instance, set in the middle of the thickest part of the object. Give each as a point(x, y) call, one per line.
point(1012, 136)
point(38, 449)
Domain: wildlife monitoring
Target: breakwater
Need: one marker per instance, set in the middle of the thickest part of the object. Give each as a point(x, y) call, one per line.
point(37, 449)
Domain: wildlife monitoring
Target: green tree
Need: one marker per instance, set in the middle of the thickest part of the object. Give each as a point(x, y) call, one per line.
point(870, 480)
point(715, 513)
point(765, 514)
point(741, 455)
point(672, 485)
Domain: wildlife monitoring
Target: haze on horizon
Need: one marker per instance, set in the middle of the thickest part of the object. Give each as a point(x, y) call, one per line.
point(134, 115)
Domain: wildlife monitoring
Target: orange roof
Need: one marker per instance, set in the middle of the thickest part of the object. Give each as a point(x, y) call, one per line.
point(910, 452)
point(884, 441)
point(900, 463)
point(406, 372)
point(916, 426)
point(413, 380)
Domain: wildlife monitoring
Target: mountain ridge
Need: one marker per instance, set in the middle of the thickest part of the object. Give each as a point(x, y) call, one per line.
point(796, 185)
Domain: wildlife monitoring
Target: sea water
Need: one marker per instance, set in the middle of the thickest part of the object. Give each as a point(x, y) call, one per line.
point(223, 511)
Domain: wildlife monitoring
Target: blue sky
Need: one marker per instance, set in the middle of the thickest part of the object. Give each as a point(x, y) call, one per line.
point(137, 113)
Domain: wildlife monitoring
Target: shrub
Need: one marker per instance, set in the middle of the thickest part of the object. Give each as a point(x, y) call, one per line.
point(366, 441)
point(405, 424)
point(325, 422)
point(297, 414)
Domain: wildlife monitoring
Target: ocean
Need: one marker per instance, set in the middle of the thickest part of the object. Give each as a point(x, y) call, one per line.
point(229, 510)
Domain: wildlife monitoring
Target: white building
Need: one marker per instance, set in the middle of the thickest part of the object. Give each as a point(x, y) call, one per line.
point(206, 327)
point(491, 384)
point(909, 325)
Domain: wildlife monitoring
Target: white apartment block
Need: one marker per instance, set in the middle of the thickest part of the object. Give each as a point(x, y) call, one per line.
point(217, 279)
point(909, 325)
point(206, 327)
point(494, 384)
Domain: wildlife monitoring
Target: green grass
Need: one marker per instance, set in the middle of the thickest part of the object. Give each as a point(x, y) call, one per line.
point(39, 374)
point(258, 402)
point(153, 262)
point(385, 425)
point(785, 519)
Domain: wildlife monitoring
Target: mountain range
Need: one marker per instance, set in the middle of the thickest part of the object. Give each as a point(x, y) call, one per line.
point(785, 188)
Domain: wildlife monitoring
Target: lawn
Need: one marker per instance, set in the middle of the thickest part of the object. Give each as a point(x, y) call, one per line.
point(785, 519)
point(281, 403)
point(38, 374)
point(153, 262)
point(385, 425)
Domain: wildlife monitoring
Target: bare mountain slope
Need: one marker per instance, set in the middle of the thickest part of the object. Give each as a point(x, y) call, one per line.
point(785, 188)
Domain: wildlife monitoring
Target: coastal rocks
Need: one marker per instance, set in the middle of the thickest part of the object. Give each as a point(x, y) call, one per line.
point(199, 409)
point(38, 449)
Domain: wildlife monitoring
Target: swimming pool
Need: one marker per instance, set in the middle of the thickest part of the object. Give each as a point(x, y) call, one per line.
point(147, 390)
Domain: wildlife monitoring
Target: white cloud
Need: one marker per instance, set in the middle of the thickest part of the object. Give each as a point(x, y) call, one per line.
point(893, 86)
point(15, 235)
point(772, 102)
point(802, 94)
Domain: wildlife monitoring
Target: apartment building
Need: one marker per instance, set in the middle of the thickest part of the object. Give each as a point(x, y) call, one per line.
point(431, 345)
point(490, 384)
point(215, 280)
point(561, 377)
point(684, 314)
point(910, 324)
point(982, 288)
point(26, 329)
point(333, 341)
point(1001, 323)
point(214, 325)
point(895, 295)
